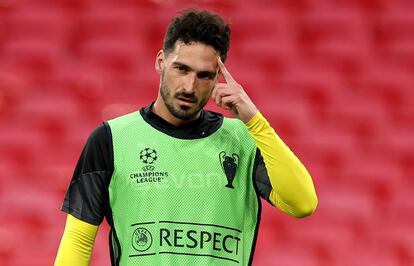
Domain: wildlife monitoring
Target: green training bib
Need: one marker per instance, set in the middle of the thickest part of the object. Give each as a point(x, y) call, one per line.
point(182, 201)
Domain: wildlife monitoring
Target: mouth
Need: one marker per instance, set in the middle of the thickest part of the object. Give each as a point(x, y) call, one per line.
point(186, 101)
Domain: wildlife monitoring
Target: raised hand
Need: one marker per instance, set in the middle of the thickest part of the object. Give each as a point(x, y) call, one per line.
point(231, 96)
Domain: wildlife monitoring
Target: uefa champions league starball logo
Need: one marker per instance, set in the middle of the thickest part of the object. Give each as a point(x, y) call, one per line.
point(148, 156)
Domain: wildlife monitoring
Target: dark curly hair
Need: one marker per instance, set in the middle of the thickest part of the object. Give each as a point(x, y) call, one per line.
point(202, 26)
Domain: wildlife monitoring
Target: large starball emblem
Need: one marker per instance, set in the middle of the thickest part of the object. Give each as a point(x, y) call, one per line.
point(148, 155)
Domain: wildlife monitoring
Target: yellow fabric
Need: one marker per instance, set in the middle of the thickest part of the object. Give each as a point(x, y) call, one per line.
point(292, 188)
point(77, 243)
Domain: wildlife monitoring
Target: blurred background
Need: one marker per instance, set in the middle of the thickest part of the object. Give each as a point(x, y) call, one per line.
point(334, 77)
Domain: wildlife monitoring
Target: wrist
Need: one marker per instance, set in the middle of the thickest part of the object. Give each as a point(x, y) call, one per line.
point(249, 115)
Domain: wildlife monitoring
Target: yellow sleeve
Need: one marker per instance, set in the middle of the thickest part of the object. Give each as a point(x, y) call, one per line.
point(77, 243)
point(292, 188)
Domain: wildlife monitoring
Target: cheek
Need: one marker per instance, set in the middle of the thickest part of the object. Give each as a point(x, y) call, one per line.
point(170, 81)
point(175, 80)
point(206, 88)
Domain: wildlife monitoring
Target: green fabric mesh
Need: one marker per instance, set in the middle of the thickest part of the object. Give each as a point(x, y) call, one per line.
point(170, 198)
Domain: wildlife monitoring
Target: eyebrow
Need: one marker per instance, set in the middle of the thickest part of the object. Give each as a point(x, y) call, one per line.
point(188, 68)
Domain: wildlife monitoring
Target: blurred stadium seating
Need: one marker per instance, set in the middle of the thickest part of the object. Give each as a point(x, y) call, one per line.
point(335, 79)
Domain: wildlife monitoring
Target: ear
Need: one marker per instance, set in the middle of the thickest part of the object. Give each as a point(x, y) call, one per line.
point(159, 62)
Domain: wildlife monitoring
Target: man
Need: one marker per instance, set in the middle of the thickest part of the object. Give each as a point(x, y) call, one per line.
point(180, 185)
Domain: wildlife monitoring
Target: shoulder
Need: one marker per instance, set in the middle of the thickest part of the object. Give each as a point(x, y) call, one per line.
point(235, 124)
point(100, 134)
point(98, 140)
point(98, 149)
point(124, 120)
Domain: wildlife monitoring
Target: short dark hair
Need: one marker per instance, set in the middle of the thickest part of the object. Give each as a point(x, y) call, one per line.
point(202, 26)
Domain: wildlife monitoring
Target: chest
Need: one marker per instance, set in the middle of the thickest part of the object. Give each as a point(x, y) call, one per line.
point(191, 165)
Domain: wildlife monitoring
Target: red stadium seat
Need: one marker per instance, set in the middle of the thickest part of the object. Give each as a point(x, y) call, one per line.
point(391, 85)
point(270, 60)
point(394, 36)
point(401, 53)
point(402, 116)
point(327, 157)
point(296, 7)
point(53, 125)
point(368, 6)
point(12, 89)
point(113, 55)
point(32, 211)
point(356, 116)
point(19, 146)
point(264, 37)
point(81, 83)
point(269, 255)
point(396, 241)
point(3, 31)
point(317, 86)
point(330, 23)
point(34, 57)
point(133, 4)
point(319, 239)
point(400, 210)
point(394, 25)
point(400, 145)
point(334, 38)
point(291, 118)
point(347, 56)
point(273, 23)
point(112, 21)
point(380, 178)
point(47, 24)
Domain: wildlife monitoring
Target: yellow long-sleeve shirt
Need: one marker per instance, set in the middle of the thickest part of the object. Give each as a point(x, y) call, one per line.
point(77, 243)
point(292, 192)
point(292, 187)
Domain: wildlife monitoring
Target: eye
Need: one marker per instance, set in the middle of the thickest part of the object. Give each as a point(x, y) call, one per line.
point(206, 76)
point(181, 68)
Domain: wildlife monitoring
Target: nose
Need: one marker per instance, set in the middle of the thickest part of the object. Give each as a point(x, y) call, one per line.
point(190, 82)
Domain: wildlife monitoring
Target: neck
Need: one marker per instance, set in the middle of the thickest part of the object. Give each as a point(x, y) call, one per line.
point(160, 109)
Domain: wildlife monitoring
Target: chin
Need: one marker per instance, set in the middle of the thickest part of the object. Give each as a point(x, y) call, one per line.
point(185, 114)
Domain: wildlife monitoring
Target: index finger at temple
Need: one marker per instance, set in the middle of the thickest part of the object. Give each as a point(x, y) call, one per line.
point(226, 73)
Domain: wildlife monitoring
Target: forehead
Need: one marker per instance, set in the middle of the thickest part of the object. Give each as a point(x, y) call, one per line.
point(196, 55)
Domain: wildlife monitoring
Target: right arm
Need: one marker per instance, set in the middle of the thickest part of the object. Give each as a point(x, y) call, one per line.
point(77, 243)
point(86, 200)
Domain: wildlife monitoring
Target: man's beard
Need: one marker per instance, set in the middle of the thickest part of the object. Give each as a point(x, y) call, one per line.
point(181, 112)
